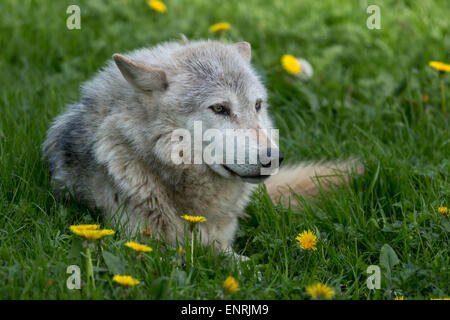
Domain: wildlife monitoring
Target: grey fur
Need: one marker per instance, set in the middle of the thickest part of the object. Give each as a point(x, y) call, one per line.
point(113, 146)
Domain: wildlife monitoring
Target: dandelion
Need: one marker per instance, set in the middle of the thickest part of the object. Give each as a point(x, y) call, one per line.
point(156, 5)
point(443, 210)
point(126, 281)
point(297, 66)
point(399, 298)
point(320, 291)
point(307, 240)
point(90, 232)
point(138, 247)
point(85, 227)
point(230, 285)
point(440, 66)
point(221, 26)
point(291, 64)
point(439, 298)
point(193, 220)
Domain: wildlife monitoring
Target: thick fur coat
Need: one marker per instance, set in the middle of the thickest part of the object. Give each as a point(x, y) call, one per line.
point(112, 150)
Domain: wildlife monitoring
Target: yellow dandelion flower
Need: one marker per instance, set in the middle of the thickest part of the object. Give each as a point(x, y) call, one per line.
point(156, 5)
point(307, 240)
point(439, 298)
point(440, 66)
point(319, 290)
point(221, 26)
point(194, 219)
point(126, 281)
point(230, 285)
point(297, 66)
point(138, 247)
point(291, 64)
point(91, 234)
point(443, 210)
point(399, 298)
point(85, 227)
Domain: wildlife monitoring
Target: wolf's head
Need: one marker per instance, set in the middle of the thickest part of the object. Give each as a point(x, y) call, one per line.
point(210, 91)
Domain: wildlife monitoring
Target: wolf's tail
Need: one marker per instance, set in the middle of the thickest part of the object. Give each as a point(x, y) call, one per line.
point(306, 178)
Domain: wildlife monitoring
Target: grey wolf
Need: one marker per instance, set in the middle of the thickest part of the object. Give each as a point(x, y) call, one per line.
point(112, 150)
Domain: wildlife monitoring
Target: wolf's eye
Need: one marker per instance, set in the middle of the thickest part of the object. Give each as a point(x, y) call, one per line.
point(220, 109)
point(258, 104)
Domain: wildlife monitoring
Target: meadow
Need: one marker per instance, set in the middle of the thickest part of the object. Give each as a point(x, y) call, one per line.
point(373, 96)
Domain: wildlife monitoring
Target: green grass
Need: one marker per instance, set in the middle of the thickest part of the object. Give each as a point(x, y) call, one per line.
point(365, 100)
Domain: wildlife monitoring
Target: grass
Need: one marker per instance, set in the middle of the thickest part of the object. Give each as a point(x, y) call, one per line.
point(373, 96)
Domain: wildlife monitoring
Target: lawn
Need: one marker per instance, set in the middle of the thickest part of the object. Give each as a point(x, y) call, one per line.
point(373, 96)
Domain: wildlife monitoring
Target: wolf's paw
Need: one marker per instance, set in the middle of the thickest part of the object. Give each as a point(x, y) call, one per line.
point(239, 257)
point(235, 257)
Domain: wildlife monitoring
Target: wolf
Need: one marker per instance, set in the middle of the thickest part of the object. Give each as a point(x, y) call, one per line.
point(112, 150)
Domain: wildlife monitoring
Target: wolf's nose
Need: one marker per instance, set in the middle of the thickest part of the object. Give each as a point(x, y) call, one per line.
point(269, 156)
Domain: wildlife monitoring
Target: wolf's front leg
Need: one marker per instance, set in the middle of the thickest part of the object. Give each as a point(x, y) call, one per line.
point(220, 232)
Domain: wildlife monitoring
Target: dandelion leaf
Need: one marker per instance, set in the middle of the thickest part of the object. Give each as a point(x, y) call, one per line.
point(115, 264)
point(388, 258)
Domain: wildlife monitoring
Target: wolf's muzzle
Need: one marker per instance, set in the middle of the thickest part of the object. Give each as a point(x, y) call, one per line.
point(267, 164)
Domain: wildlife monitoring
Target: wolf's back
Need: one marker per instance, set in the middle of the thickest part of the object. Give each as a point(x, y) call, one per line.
point(67, 150)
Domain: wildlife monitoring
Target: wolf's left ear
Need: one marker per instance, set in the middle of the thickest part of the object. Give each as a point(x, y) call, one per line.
point(244, 49)
point(141, 76)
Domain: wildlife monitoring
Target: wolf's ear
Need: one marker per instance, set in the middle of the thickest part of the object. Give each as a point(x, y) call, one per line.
point(244, 49)
point(141, 76)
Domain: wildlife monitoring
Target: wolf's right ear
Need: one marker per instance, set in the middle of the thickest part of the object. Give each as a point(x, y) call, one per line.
point(244, 48)
point(142, 76)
